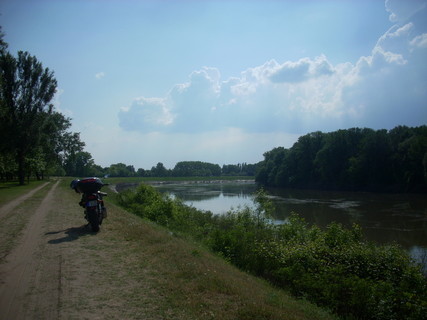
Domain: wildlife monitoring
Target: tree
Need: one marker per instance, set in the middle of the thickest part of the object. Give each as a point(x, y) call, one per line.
point(8, 166)
point(159, 170)
point(356, 159)
point(26, 90)
point(84, 164)
point(196, 169)
point(414, 152)
point(96, 171)
point(140, 173)
point(268, 169)
point(54, 132)
point(121, 170)
point(240, 169)
point(35, 163)
point(302, 156)
point(69, 145)
point(3, 44)
point(131, 170)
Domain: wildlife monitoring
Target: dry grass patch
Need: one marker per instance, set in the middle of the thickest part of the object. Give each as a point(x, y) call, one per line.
point(190, 282)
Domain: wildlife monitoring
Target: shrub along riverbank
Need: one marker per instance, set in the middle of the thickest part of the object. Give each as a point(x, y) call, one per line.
point(335, 268)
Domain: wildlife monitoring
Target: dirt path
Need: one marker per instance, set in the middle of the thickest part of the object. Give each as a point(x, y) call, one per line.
point(57, 268)
point(36, 273)
point(14, 203)
point(20, 264)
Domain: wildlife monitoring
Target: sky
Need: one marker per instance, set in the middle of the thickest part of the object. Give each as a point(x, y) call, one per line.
point(223, 81)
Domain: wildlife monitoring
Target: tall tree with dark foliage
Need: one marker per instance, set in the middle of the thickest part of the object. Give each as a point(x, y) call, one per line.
point(26, 92)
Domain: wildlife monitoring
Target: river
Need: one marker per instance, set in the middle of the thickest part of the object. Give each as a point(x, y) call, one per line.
point(384, 218)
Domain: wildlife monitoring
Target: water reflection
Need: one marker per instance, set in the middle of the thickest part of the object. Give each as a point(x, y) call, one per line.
point(384, 218)
point(233, 193)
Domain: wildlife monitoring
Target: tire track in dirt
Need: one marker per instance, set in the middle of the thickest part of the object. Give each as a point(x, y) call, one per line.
point(14, 203)
point(17, 272)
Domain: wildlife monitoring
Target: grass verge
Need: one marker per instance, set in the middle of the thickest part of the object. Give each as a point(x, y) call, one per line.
point(11, 190)
point(192, 283)
point(159, 275)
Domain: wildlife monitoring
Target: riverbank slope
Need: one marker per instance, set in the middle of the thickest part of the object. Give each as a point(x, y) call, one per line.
point(131, 269)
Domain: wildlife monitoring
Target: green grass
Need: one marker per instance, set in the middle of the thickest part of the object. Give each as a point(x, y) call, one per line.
point(188, 282)
point(148, 272)
point(12, 190)
point(12, 223)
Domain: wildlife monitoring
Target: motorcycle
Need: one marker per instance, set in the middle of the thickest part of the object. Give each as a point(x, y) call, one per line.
point(92, 200)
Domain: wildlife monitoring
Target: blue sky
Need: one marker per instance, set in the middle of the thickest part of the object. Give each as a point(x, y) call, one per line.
point(224, 81)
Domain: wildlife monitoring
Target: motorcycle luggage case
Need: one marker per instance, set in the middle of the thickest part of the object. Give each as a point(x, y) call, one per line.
point(89, 185)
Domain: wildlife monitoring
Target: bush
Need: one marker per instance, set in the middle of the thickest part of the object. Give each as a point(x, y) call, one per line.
point(335, 268)
point(147, 203)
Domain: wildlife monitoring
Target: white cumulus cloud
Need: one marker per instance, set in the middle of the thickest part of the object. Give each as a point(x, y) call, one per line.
point(100, 75)
point(420, 41)
point(146, 114)
point(388, 87)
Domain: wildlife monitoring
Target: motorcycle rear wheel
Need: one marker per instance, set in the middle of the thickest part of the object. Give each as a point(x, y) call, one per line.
point(92, 216)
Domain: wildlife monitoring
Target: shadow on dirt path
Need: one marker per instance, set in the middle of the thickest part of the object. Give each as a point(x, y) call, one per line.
point(71, 234)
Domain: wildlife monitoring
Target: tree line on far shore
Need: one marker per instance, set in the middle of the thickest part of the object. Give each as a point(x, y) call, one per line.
point(182, 169)
point(352, 159)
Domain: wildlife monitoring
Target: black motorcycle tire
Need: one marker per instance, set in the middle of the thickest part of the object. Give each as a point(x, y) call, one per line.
point(93, 218)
